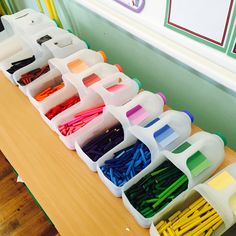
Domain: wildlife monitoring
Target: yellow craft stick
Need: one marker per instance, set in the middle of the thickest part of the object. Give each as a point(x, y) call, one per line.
point(165, 227)
point(196, 202)
point(170, 232)
point(40, 6)
point(164, 233)
point(208, 220)
point(208, 217)
point(200, 204)
point(205, 206)
point(184, 212)
point(193, 224)
point(217, 224)
point(193, 217)
point(49, 7)
point(195, 213)
point(174, 215)
point(174, 220)
point(209, 232)
point(160, 224)
point(176, 232)
point(207, 226)
point(188, 223)
point(54, 11)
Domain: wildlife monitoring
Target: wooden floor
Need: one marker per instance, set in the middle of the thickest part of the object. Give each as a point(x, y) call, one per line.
point(19, 214)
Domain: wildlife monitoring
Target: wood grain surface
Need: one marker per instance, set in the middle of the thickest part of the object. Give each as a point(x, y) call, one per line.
point(74, 198)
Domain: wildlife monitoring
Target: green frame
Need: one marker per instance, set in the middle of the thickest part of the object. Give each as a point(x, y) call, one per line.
point(232, 45)
point(202, 40)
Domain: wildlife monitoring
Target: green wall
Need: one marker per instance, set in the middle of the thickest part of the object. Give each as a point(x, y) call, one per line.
point(212, 105)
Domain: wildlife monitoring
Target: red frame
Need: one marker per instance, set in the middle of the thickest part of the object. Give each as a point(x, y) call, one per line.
point(202, 36)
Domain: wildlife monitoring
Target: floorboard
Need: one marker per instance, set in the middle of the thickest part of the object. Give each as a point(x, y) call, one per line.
point(19, 214)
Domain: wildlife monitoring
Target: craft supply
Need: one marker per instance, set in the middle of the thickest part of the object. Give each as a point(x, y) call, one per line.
point(62, 107)
point(104, 142)
point(91, 79)
point(20, 64)
point(47, 92)
point(127, 163)
point(33, 75)
point(77, 66)
point(157, 189)
point(80, 120)
point(115, 87)
point(198, 219)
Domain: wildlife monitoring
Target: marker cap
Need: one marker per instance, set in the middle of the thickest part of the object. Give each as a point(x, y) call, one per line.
point(189, 115)
point(162, 95)
point(118, 67)
point(138, 82)
point(103, 55)
point(88, 45)
point(223, 138)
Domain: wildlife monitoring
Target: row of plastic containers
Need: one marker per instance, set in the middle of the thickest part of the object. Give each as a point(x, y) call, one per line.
point(29, 40)
point(142, 153)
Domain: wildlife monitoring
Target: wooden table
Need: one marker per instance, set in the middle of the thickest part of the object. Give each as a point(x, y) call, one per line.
point(73, 197)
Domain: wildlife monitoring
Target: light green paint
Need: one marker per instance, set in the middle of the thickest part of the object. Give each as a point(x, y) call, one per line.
point(212, 105)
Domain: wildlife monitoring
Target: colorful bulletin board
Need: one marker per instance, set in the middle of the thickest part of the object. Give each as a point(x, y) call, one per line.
point(133, 5)
point(206, 21)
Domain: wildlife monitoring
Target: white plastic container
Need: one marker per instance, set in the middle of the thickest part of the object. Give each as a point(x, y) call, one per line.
point(211, 146)
point(57, 69)
point(179, 125)
point(98, 94)
point(19, 27)
point(23, 53)
point(11, 47)
point(92, 75)
point(80, 84)
point(139, 111)
point(60, 44)
point(78, 62)
point(219, 191)
point(24, 22)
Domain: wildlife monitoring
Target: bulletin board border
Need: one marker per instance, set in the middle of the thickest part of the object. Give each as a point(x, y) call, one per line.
point(232, 45)
point(222, 46)
point(138, 10)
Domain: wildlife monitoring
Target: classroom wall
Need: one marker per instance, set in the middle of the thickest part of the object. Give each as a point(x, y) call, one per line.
point(212, 105)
